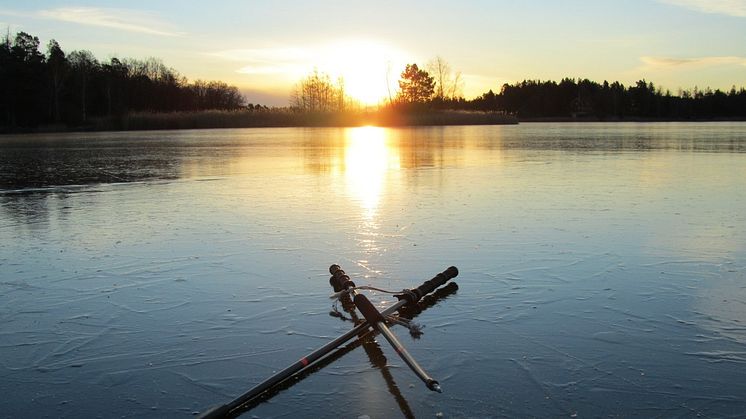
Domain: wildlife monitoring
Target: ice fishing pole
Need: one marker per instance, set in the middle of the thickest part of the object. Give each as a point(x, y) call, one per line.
point(407, 297)
point(371, 347)
point(378, 321)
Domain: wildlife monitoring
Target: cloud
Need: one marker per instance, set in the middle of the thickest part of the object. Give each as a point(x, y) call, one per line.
point(266, 61)
point(268, 69)
point(119, 19)
point(264, 55)
point(686, 63)
point(724, 7)
point(125, 20)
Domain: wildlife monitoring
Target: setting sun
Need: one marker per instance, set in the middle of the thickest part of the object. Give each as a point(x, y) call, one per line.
point(369, 69)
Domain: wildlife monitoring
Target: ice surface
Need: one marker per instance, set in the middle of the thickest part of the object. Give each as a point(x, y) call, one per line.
point(159, 273)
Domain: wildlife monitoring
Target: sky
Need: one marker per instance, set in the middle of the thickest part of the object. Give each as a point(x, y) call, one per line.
point(265, 47)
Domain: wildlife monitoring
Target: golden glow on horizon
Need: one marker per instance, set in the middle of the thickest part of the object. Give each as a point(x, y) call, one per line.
point(369, 69)
point(368, 158)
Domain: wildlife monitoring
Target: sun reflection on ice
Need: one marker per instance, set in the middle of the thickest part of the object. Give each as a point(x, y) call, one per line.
point(368, 159)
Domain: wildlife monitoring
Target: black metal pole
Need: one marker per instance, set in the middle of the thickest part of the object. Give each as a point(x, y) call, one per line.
point(225, 410)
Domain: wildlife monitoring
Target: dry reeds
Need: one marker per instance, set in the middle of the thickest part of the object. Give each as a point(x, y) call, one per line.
point(284, 117)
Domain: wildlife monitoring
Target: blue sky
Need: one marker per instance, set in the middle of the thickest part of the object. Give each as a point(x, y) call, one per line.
point(264, 47)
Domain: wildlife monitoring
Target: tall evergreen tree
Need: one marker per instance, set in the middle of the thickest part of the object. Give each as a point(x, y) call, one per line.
point(415, 85)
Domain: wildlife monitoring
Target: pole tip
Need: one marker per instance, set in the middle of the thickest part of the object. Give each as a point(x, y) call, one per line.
point(215, 412)
point(434, 386)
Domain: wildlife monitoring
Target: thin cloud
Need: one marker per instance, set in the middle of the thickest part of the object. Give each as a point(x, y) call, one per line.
point(124, 20)
point(266, 61)
point(684, 63)
point(263, 55)
point(13, 13)
point(293, 60)
point(269, 69)
point(724, 7)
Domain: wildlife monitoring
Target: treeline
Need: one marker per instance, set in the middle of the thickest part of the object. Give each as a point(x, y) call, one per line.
point(588, 99)
point(58, 88)
point(570, 98)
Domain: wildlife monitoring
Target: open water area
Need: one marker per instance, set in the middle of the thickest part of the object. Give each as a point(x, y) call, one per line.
point(156, 274)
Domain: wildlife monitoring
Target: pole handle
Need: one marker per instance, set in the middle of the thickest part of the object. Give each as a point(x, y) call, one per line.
point(370, 312)
point(339, 279)
point(414, 295)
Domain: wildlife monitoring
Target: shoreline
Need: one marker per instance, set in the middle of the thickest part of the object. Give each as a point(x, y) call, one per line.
point(277, 119)
point(636, 119)
point(286, 119)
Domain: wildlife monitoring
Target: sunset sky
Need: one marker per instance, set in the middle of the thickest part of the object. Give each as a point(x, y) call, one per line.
point(264, 47)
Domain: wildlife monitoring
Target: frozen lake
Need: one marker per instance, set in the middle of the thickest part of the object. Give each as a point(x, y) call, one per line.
point(155, 274)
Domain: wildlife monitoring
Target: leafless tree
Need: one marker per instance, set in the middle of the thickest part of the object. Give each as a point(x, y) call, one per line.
point(317, 93)
point(448, 85)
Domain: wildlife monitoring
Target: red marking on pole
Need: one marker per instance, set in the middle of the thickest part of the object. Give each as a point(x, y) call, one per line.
point(304, 361)
point(398, 349)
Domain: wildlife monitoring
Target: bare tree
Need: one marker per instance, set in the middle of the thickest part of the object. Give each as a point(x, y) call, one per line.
point(447, 84)
point(317, 93)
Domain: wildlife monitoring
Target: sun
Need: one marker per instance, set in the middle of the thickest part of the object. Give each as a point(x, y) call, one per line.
point(369, 69)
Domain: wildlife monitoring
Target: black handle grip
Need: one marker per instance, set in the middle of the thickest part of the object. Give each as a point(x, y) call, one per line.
point(429, 286)
point(370, 312)
point(339, 279)
point(334, 268)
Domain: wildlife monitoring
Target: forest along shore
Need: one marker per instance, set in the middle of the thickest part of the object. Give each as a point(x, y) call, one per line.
point(60, 91)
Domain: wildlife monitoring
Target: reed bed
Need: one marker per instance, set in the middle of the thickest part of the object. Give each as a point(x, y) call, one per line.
point(289, 118)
